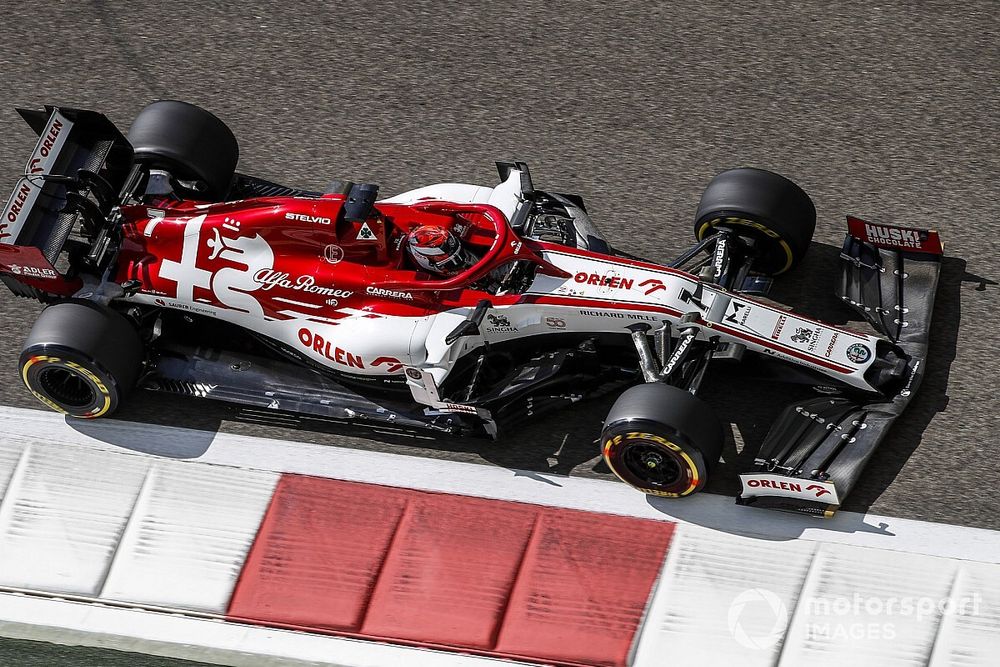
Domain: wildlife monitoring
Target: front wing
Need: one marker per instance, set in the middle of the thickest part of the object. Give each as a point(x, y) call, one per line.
point(815, 452)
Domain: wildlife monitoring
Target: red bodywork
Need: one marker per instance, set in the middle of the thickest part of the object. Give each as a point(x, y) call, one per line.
point(318, 257)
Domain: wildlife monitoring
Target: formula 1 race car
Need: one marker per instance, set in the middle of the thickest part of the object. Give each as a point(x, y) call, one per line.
point(163, 268)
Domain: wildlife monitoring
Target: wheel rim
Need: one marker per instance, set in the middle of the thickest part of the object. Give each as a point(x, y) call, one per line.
point(66, 387)
point(652, 464)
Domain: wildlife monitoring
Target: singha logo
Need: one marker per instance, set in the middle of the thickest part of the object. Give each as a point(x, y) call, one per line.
point(500, 324)
point(498, 320)
point(802, 335)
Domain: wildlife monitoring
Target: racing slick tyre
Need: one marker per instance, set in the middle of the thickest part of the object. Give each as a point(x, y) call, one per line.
point(661, 440)
point(769, 208)
point(81, 358)
point(190, 143)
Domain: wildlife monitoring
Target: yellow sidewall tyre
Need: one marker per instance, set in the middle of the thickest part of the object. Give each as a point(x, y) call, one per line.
point(661, 440)
point(767, 207)
point(73, 387)
point(653, 463)
point(81, 359)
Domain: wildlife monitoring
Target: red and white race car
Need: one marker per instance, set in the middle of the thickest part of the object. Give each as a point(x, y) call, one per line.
point(452, 307)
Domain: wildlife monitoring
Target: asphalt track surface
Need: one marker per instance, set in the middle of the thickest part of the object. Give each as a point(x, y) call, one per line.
point(885, 110)
point(43, 654)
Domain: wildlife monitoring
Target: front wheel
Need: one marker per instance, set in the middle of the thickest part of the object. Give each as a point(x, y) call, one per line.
point(661, 440)
point(772, 210)
point(81, 359)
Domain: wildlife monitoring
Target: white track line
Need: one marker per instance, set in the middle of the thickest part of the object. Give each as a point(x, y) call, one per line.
point(710, 511)
point(205, 640)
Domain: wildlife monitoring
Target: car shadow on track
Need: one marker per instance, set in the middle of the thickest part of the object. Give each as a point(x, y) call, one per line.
point(558, 444)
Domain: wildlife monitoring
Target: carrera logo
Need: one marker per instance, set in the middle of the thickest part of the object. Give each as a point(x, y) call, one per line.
point(833, 342)
point(720, 255)
point(378, 291)
point(319, 220)
point(678, 353)
point(614, 282)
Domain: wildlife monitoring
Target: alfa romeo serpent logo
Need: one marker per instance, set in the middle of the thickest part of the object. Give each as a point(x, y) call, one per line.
point(859, 353)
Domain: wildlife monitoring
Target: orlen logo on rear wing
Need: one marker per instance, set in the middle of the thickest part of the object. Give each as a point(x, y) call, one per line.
point(893, 237)
point(766, 484)
point(42, 160)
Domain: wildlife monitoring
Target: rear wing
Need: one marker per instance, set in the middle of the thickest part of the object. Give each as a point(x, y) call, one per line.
point(81, 161)
point(816, 451)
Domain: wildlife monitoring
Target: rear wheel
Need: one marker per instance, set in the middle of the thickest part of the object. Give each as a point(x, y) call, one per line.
point(764, 206)
point(81, 359)
point(661, 440)
point(188, 142)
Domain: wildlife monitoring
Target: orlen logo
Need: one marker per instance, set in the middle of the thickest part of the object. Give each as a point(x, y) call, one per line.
point(614, 282)
point(394, 364)
point(817, 489)
point(14, 208)
point(50, 139)
point(652, 285)
point(317, 344)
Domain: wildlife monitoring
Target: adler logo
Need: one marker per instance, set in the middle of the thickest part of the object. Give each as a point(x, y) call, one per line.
point(319, 220)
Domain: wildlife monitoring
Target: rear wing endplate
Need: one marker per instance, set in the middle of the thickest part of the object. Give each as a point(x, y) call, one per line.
point(36, 221)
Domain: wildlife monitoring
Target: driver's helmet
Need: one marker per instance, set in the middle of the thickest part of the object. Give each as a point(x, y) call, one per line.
point(437, 250)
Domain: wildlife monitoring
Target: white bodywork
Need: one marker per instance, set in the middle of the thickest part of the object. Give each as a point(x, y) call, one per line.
point(601, 295)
